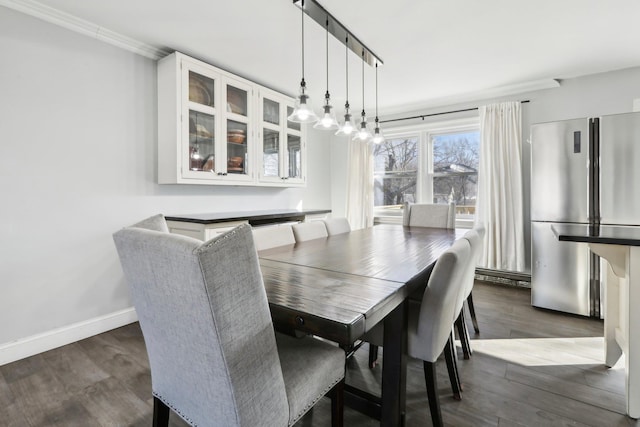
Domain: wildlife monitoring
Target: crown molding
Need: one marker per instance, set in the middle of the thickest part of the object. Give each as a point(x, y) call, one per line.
point(73, 23)
point(492, 93)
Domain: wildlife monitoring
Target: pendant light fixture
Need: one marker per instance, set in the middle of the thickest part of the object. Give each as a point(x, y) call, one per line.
point(303, 113)
point(347, 127)
point(363, 133)
point(378, 138)
point(328, 120)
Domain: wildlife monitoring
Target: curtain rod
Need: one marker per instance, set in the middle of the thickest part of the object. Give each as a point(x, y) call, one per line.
point(422, 116)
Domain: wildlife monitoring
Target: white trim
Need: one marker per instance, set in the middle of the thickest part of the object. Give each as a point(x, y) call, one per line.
point(25, 347)
point(486, 94)
point(73, 23)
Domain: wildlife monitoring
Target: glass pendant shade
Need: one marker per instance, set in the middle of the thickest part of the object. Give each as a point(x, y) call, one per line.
point(362, 134)
point(378, 137)
point(348, 126)
point(328, 120)
point(303, 113)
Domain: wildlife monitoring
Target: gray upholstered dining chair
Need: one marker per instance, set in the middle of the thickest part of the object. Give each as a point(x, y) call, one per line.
point(309, 231)
point(474, 236)
point(215, 359)
point(422, 215)
point(339, 225)
point(430, 322)
point(429, 215)
point(273, 236)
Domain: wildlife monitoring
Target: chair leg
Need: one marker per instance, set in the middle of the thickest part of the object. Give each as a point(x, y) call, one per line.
point(472, 312)
point(160, 413)
point(432, 393)
point(463, 334)
point(337, 404)
point(452, 368)
point(373, 356)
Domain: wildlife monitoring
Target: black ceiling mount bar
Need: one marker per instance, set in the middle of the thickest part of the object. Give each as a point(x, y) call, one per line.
point(422, 116)
point(319, 14)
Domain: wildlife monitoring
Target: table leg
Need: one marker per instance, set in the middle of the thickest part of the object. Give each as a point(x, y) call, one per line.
point(612, 350)
point(394, 367)
point(622, 316)
point(632, 355)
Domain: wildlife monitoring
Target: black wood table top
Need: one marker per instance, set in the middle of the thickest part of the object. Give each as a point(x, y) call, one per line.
point(604, 234)
point(341, 286)
point(253, 217)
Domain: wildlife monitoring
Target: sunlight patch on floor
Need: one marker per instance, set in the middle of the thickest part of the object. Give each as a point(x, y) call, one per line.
point(545, 351)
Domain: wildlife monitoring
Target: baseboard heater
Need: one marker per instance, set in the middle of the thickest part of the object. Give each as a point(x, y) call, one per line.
point(504, 277)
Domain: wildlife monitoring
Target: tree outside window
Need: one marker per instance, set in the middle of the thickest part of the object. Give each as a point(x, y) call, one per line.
point(434, 164)
point(395, 172)
point(455, 170)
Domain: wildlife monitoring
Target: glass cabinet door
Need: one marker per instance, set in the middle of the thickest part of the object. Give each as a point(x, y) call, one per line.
point(201, 141)
point(201, 128)
point(270, 153)
point(238, 142)
point(281, 147)
point(237, 153)
point(270, 138)
point(294, 156)
point(237, 101)
point(294, 148)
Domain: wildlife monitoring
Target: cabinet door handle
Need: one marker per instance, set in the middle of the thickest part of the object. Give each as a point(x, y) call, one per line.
point(222, 173)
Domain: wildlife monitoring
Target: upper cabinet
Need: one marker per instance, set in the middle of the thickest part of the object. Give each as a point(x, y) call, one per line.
point(212, 124)
point(281, 153)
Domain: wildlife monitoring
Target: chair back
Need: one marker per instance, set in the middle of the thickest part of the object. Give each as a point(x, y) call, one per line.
point(273, 237)
point(213, 361)
point(438, 307)
point(309, 230)
point(338, 225)
point(474, 236)
point(429, 215)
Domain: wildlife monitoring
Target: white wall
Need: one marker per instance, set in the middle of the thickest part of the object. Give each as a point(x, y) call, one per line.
point(587, 96)
point(78, 162)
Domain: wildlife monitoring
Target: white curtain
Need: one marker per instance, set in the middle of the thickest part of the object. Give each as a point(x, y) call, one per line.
point(499, 206)
point(360, 185)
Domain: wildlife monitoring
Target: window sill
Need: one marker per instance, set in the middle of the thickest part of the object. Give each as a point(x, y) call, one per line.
point(464, 223)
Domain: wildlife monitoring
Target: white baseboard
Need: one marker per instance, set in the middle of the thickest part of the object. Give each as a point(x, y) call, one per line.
point(25, 347)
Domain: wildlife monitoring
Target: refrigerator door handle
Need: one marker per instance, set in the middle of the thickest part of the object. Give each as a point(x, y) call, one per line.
point(594, 171)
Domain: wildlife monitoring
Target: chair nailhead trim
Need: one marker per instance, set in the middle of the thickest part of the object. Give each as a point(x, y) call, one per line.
point(306, 408)
point(174, 409)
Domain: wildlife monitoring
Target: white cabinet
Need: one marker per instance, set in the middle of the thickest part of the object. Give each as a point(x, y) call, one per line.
point(211, 126)
point(281, 144)
point(202, 232)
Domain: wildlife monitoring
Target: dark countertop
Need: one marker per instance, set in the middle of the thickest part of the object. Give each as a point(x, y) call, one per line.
point(253, 217)
point(604, 234)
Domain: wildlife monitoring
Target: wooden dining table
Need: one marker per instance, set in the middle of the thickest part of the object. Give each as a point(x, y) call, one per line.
point(341, 286)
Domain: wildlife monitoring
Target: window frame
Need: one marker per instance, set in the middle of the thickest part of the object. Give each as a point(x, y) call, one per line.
point(425, 133)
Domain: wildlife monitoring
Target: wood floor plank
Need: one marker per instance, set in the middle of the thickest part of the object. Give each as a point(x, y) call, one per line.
point(110, 403)
point(130, 367)
point(73, 368)
point(567, 388)
point(44, 401)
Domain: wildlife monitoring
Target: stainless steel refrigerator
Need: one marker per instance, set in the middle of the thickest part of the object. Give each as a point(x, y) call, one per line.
point(584, 171)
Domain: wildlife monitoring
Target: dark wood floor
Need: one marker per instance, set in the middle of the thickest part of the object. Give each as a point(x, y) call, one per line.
point(530, 368)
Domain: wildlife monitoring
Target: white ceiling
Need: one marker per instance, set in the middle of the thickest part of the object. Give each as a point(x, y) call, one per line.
point(433, 50)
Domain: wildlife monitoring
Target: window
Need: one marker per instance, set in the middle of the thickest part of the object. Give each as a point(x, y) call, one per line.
point(432, 163)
